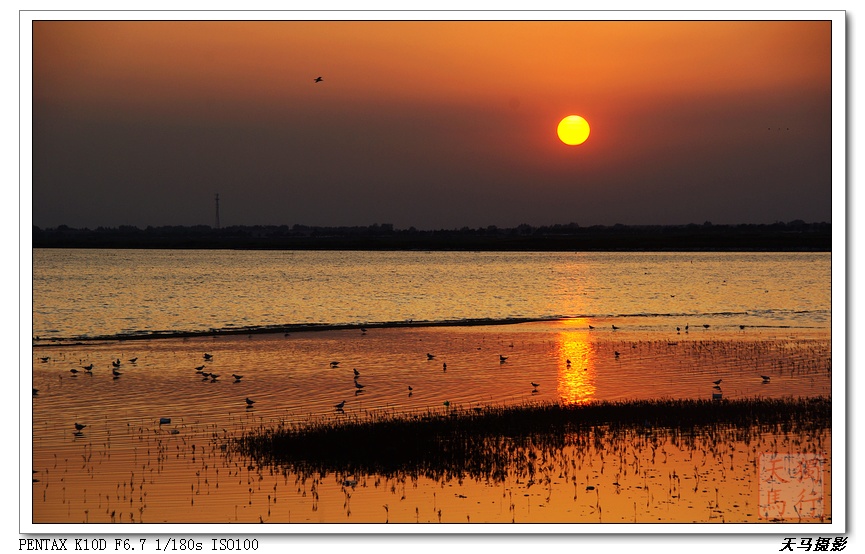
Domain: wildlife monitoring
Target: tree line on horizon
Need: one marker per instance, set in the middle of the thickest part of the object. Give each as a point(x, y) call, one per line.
point(793, 235)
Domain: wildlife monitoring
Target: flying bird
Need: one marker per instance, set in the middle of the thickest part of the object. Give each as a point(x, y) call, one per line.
point(116, 373)
point(318, 79)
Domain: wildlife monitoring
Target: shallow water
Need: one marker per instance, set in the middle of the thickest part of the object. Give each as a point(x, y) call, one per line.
point(125, 466)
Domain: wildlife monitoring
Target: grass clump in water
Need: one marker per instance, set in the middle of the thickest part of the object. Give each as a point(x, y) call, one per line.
point(489, 443)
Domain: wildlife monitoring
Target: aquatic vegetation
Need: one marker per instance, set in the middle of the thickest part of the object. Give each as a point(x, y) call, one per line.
point(495, 443)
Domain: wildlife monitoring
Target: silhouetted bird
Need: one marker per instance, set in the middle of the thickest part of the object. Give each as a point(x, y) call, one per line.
point(35, 392)
point(535, 385)
point(334, 364)
point(249, 402)
point(79, 426)
point(340, 406)
point(356, 373)
point(133, 360)
point(116, 373)
point(614, 327)
point(410, 389)
point(444, 366)
point(357, 385)
point(318, 79)
point(73, 371)
point(116, 363)
point(45, 359)
point(200, 368)
point(741, 326)
point(430, 356)
point(705, 325)
point(208, 357)
point(237, 378)
point(718, 382)
point(591, 326)
point(765, 378)
point(502, 359)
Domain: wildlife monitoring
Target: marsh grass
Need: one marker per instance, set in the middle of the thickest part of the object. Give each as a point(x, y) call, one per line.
point(494, 443)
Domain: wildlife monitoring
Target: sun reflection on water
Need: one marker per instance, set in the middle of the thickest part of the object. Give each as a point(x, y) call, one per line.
point(576, 379)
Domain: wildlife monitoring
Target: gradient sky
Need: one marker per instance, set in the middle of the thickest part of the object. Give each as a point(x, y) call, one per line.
point(432, 124)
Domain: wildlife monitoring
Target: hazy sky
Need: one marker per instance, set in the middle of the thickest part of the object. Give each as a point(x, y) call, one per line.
point(432, 124)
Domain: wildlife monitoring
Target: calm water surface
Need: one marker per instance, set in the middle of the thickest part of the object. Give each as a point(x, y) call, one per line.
point(127, 466)
point(87, 293)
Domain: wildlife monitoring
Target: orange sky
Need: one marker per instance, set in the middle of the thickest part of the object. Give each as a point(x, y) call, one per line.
point(441, 104)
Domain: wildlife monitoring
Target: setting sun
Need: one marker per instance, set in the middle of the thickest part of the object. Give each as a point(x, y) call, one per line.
point(573, 130)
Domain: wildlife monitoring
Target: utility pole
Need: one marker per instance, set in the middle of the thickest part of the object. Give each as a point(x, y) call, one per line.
point(217, 210)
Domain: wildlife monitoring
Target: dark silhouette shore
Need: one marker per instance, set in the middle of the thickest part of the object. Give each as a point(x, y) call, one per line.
point(794, 236)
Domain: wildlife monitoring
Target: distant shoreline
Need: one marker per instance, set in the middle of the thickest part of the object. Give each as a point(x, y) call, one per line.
point(795, 236)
